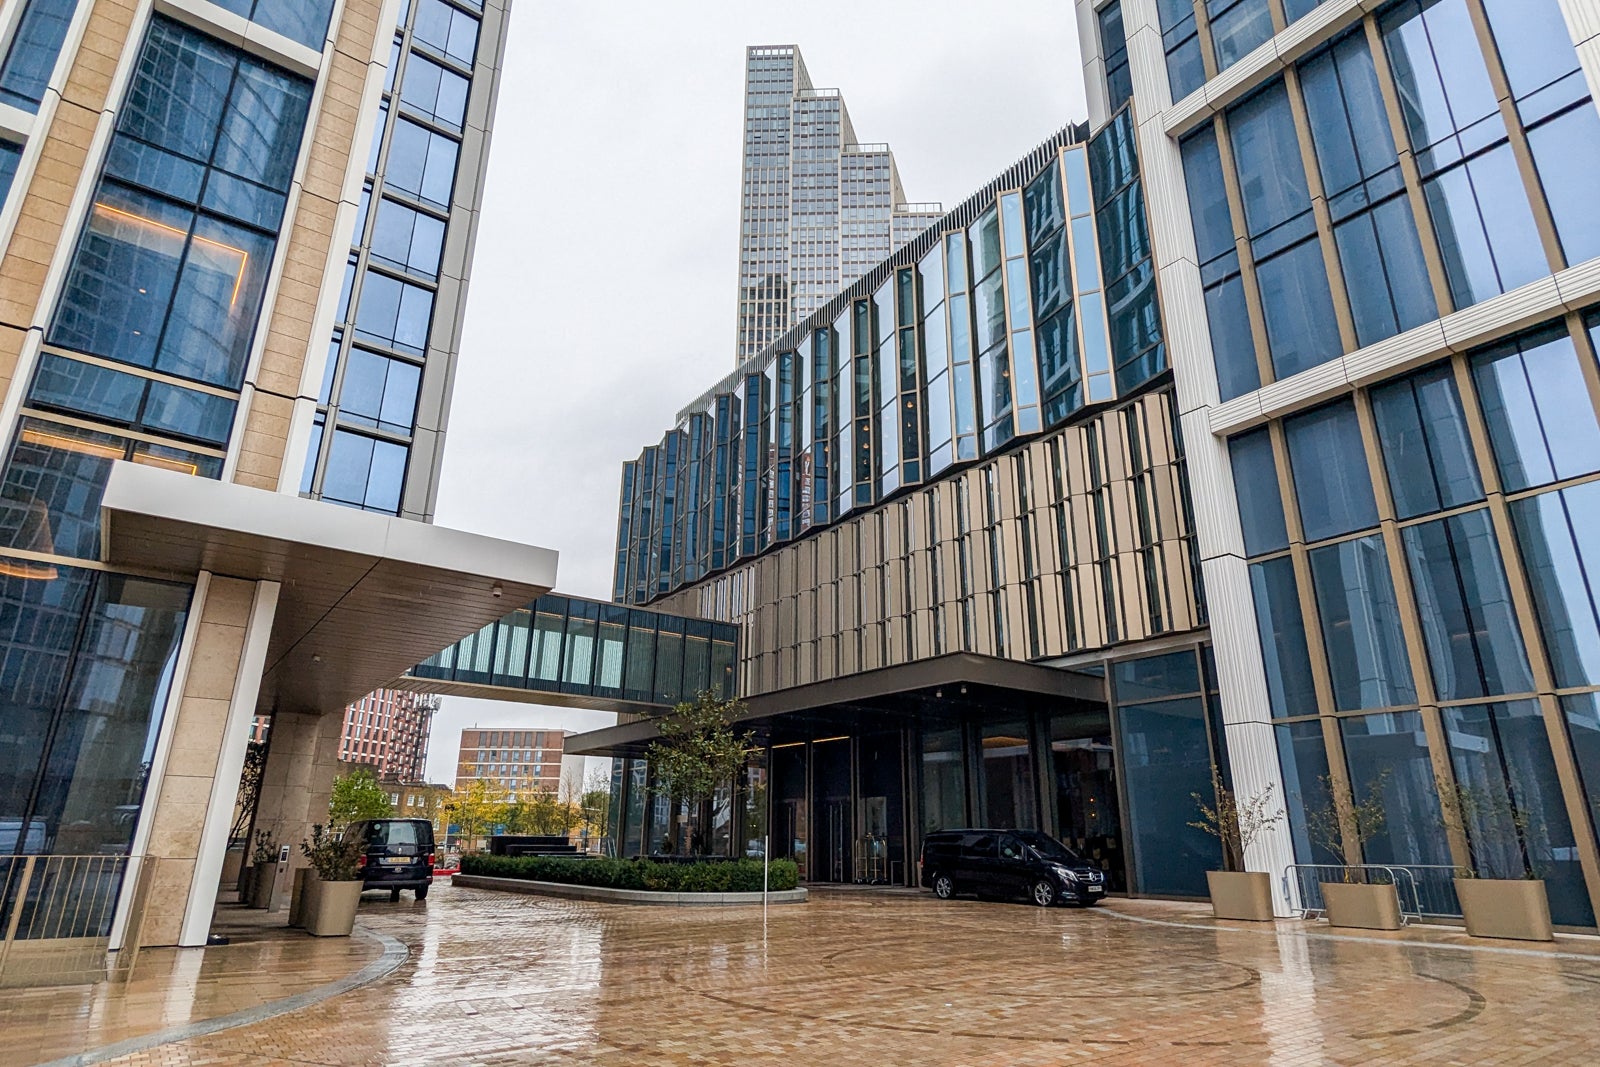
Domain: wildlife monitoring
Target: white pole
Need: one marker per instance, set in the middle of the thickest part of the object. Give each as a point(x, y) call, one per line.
point(766, 874)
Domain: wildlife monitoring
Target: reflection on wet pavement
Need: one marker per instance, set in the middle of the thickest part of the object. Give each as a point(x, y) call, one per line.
point(864, 979)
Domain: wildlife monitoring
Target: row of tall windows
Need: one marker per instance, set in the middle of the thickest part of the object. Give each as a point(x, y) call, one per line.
point(367, 405)
point(1423, 585)
point(1043, 305)
point(1413, 205)
point(1203, 38)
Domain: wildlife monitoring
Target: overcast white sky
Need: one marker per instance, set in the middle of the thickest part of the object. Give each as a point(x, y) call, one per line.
point(604, 284)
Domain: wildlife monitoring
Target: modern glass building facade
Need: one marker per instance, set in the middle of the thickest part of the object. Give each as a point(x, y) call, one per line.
point(177, 197)
point(817, 209)
point(1373, 363)
point(386, 385)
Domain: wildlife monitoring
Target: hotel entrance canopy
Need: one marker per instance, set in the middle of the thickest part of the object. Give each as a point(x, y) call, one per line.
point(362, 596)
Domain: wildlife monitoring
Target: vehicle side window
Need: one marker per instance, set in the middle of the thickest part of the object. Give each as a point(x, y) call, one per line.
point(981, 845)
point(1010, 848)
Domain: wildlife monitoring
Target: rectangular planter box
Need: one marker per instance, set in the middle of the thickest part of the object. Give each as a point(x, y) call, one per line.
point(1241, 895)
point(330, 910)
point(1518, 909)
point(1362, 907)
point(261, 879)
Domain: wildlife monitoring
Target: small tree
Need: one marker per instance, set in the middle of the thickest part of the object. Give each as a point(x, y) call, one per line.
point(357, 796)
point(1502, 840)
point(244, 809)
point(1237, 825)
point(699, 749)
point(477, 808)
point(1365, 819)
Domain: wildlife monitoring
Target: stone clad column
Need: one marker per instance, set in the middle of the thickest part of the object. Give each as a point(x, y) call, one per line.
point(297, 782)
point(195, 794)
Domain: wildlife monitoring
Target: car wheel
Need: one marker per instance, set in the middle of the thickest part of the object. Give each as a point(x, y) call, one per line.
point(422, 892)
point(394, 896)
point(1044, 894)
point(944, 887)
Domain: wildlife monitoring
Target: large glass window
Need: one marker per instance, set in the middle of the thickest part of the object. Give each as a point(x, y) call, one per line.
point(1536, 404)
point(1307, 796)
point(305, 21)
point(1329, 464)
point(394, 313)
point(1559, 537)
point(1426, 447)
point(154, 281)
point(1255, 484)
point(434, 91)
point(31, 59)
point(1237, 27)
point(364, 472)
point(379, 391)
point(446, 30)
point(127, 400)
point(1511, 801)
point(1469, 623)
point(1114, 49)
point(1180, 39)
point(1387, 757)
point(421, 162)
point(1233, 348)
point(1166, 758)
point(1361, 631)
point(87, 663)
point(408, 239)
point(944, 781)
point(1009, 793)
point(1283, 638)
point(1475, 194)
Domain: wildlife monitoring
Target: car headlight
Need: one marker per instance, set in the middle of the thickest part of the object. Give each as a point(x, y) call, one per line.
point(1064, 873)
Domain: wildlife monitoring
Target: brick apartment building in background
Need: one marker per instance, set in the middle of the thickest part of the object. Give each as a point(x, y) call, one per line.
point(518, 760)
point(386, 730)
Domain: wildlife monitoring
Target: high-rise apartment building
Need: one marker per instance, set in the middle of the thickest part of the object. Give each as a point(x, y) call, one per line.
point(182, 187)
point(519, 761)
point(817, 208)
point(388, 730)
point(1246, 437)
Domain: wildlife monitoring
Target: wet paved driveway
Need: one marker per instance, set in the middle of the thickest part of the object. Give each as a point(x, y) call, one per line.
point(859, 979)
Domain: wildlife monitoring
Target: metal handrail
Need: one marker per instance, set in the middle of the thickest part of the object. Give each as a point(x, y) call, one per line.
point(56, 913)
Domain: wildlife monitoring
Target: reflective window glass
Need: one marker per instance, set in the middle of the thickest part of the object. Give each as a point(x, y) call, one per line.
point(1303, 755)
point(1114, 49)
point(1536, 404)
point(406, 238)
point(1237, 27)
point(1511, 802)
point(422, 163)
point(1469, 623)
point(1283, 638)
point(1385, 274)
point(1439, 71)
point(435, 92)
point(1297, 305)
point(1566, 151)
point(1255, 485)
point(10, 157)
point(1427, 450)
point(1558, 535)
point(1387, 759)
point(1166, 760)
point(379, 391)
point(1180, 40)
point(1361, 632)
point(447, 30)
point(1485, 227)
point(1266, 151)
point(35, 44)
point(364, 472)
point(1329, 464)
point(394, 313)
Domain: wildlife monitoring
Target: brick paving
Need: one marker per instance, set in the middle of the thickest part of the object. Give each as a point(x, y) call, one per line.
point(883, 979)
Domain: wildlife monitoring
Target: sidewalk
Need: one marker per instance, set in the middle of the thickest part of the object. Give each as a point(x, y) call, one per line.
point(264, 963)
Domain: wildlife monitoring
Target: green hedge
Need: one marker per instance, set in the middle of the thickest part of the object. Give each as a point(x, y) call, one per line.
point(734, 876)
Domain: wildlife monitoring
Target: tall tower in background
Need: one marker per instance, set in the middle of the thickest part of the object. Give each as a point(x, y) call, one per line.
point(818, 208)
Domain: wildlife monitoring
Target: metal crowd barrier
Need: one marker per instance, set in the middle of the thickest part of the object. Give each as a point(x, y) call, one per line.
point(55, 917)
point(1426, 891)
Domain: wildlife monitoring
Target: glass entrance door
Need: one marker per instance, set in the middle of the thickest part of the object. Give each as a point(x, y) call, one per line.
point(834, 859)
point(1085, 784)
point(791, 831)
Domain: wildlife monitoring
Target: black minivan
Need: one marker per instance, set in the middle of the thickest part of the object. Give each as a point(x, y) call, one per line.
point(398, 855)
point(1026, 863)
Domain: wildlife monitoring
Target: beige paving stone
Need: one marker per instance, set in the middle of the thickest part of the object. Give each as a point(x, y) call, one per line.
point(880, 978)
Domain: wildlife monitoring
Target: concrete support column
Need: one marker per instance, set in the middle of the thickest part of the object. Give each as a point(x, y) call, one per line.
point(196, 793)
point(297, 782)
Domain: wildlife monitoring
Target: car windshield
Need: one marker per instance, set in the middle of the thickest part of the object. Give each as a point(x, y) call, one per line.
point(383, 834)
point(1050, 848)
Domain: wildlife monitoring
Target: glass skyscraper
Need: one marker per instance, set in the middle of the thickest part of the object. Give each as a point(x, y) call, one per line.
point(817, 209)
point(1252, 449)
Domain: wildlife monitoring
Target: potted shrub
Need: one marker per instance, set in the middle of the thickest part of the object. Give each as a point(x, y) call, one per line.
point(1355, 900)
point(264, 871)
point(1237, 893)
point(1501, 892)
point(328, 908)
